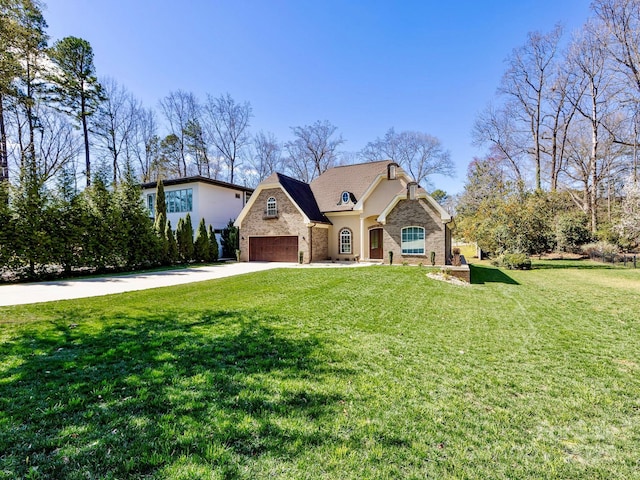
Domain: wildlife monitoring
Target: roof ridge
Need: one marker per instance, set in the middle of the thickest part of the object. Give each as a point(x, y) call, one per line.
point(363, 163)
point(290, 178)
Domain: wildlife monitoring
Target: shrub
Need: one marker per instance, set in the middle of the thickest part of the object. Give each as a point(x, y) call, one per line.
point(599, 249)
point(513, 261)
point(571, 230)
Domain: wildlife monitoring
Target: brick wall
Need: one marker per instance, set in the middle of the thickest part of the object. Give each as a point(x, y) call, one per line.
point(288, 222)
point(415, 213)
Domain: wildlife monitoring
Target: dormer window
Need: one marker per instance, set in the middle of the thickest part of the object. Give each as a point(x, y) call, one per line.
point(345, 197)
point(392, 170)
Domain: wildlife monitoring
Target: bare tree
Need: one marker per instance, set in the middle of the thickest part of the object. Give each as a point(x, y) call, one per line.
point(179, 108)
point(495, 127)
point(57, 143)
point(227, 123)
point(419, 153)
point(593, 96)
point(143, 144)
point(313, 151)
point(197, 148)
point(620, 36)
point(556, 126)
point(114, 124)
point(525, 82)
point(266, 156)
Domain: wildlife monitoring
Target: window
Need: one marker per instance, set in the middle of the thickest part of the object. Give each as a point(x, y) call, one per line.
point(237, 195)
point(345, 241)
point(413, 241)
point(179, 201)
point(272, 207)
point(151, 204)
point(345, 197)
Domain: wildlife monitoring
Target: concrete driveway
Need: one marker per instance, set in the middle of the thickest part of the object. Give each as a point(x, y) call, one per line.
point(23, 293)
point(36, 292)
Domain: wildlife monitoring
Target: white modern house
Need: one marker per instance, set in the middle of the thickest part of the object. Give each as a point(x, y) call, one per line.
point(215, 201)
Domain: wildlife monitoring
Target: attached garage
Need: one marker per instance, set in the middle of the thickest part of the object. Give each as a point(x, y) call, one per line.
point(273, 249)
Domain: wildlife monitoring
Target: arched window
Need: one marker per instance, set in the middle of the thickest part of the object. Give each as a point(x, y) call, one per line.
point(345, 197)
point(272, 207)
point(345, 241)
point(413, 241)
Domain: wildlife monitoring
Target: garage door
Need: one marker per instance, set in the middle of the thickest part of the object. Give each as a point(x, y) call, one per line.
point(273, 249)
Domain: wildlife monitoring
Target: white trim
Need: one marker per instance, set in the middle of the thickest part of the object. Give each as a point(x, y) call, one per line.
point(444, 215)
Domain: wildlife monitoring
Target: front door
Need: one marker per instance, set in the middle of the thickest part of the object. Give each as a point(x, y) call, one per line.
point(375, 244)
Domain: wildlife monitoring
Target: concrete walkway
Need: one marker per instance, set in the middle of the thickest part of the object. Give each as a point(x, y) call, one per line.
point(23, 293)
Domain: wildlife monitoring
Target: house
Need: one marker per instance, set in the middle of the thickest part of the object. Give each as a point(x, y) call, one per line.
point(215, 201)
point(353, 212)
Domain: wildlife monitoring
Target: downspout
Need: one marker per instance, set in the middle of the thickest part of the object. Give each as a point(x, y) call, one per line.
point(362, 256)
point(311, 225)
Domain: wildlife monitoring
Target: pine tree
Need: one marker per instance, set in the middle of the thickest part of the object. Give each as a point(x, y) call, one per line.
point(173, 256)
point(180, 239)
point(160, 222)
point(75, 87)
point(138, 240)
point(188, 238)
point(213, 246)
point(201, 244)
point(184, 237)
point(230, 240)
point(68, 224)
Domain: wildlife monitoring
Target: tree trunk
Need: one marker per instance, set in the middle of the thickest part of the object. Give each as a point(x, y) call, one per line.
point(85, 132)
point(4, 154)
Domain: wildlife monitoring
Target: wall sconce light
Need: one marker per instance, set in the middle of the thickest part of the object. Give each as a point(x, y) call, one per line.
point(242, 238)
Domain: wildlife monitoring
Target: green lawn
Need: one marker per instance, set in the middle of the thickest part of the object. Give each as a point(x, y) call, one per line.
point(376, 372)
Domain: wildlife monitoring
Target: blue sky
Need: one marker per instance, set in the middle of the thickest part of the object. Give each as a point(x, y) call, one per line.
point(365, 66)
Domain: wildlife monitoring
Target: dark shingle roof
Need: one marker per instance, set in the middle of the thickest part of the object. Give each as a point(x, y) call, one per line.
point(301, 193)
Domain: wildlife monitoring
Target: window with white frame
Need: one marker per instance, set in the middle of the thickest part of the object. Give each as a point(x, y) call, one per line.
point(413, 241)
point(272, 207)
point(345, 241)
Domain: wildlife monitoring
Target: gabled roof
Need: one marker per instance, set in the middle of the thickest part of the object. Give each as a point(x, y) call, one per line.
point(302, 195)
point(298, 192)
point(355, 179)
point(197, 178)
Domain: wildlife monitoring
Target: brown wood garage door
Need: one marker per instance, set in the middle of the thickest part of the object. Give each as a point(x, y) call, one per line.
point(273, 249)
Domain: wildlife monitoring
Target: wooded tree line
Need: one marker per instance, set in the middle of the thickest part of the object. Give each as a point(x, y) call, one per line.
point(563, 131)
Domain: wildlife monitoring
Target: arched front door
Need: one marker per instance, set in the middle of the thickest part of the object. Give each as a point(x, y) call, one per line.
point(375, 244)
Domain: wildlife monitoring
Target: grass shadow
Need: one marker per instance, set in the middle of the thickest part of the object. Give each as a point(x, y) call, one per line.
point(142, 393)
point(581, 264)
point(484, 274)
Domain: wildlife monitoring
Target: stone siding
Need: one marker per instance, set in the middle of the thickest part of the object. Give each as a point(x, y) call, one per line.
point(415, 213)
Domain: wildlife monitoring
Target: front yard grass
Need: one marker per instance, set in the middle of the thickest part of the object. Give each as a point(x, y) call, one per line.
point(376, 372)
